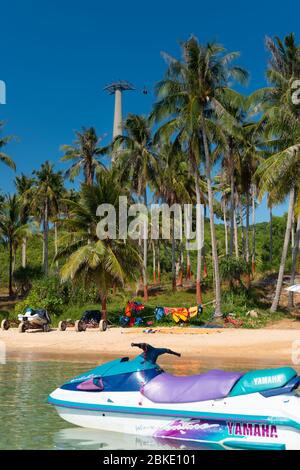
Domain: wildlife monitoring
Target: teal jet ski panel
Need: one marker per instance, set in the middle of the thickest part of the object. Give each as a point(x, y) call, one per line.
point(118, 366)
point(260, 380)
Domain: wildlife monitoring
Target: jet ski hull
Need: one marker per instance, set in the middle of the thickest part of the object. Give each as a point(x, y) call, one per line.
point(216, 422)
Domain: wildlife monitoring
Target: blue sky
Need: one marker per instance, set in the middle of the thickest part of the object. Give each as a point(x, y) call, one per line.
point(56, 56)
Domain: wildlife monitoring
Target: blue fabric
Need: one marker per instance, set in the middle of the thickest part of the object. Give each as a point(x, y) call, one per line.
point(159, 313)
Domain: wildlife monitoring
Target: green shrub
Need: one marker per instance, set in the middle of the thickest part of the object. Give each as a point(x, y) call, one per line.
point(24, 277)
point(46, 293)
point(232, 270)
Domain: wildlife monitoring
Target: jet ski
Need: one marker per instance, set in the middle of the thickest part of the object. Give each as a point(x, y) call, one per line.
point(259, 409)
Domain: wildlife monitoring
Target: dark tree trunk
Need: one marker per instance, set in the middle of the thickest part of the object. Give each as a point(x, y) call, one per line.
point(103, 307)
point(271, 236)
point(10, 282)
point(247, 227)
point(232, 209)
point(45, 237)
point(253, 231)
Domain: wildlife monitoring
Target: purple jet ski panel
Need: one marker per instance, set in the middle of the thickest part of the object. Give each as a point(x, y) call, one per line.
point(166, 388)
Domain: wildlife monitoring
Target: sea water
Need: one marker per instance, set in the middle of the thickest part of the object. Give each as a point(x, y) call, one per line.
point(28, 422)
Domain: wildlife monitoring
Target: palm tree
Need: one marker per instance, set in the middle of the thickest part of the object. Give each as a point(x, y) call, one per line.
point(172, 185)
point(46, 192)
point(23, 185)
point(86, 154)
point(107, 262)
point(136, 160)
point(192, 96)
point(3, 157)
point(12, 230)
point(280, 172)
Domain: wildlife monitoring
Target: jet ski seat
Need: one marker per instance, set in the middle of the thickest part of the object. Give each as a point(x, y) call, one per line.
point(167, 388)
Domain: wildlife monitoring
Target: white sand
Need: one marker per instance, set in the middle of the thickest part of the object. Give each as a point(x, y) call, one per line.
point(210, 347)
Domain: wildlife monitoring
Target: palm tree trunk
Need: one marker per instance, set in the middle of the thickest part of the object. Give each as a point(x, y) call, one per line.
point(10, 281)
point(294, 263)
point(199, 249)
point(225, 228)
point(103, 307)
point(181, 261)
point(247, 226)
point(287, 236)
point(232, 211)
point(271, 236)
point(173, 256)
point(55, 242)
point(236, 240)
point(188, 266)
point(154, 262)
point(188, 258)
point(45, 237)
point(293, 231)
point(253, 230)
point(24, 250)
point(145, 281)
point(212, 226)
point(158, 263)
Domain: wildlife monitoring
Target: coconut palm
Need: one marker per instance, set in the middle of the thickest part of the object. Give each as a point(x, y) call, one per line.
point(86, 153)
point(45, 194)
point(192, 96)
point(107, 261)
point(23, 185)
point(12, 230)
point(135, 159)
point(280, 172)
point(172, 184)
point(3, 157)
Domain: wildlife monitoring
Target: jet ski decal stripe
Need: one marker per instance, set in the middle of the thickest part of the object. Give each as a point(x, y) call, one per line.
point(278, 421)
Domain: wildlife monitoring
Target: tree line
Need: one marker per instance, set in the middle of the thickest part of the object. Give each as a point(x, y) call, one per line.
point(203, 142)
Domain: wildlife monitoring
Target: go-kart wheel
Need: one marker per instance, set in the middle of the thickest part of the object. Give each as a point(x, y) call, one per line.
point(62, 326)
point(22, 327)
point(79, 326)
point(103, 325)
point(46, 328)
point(5, 324)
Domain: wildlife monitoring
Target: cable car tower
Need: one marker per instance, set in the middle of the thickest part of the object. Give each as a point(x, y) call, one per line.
point(116, 88)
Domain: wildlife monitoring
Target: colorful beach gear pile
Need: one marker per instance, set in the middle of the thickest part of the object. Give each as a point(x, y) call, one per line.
point(179, 314)
point(131, 317)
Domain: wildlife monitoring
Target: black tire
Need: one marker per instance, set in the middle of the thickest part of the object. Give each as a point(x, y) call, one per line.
point(79, 326)
point(5, 324)
point(103, 325)
point(62, 326)
point(46, 328)
point(22, 327)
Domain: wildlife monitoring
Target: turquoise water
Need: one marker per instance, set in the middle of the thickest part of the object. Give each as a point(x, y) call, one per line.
point(28, 422)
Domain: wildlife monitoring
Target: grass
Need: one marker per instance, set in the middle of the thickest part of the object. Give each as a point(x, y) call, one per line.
point(234, 303)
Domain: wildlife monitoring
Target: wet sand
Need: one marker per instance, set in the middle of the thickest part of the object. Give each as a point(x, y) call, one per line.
point(209, 347)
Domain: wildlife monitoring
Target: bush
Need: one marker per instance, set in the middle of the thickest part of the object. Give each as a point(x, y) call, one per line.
point(46, 293)
point(232, 270)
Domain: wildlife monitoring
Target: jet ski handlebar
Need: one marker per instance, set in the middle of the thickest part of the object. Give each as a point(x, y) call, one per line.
point(151, 353)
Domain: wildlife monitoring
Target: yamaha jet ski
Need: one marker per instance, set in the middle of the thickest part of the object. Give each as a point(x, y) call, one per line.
point(256, 410)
